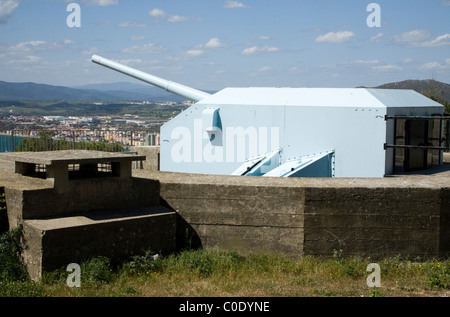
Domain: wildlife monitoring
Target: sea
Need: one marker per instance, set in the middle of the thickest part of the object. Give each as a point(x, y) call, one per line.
point(6, 142)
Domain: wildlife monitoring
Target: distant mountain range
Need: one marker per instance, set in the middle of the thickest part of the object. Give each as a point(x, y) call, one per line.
point(99, 92)
point(137, 92)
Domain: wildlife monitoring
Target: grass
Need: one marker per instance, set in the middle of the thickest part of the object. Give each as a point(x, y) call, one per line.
point(214, 273)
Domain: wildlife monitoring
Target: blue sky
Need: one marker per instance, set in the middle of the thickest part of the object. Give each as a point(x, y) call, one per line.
point(214, 44)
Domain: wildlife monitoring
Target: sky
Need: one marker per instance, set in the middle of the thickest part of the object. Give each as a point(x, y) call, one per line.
point(214, 44)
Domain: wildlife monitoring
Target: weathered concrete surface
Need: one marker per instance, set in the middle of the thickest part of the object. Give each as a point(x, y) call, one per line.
point(93, 216)
point(402, 215)
point(406, 216)
point(117, 234)
point(70, 157)
point(81, 195)
point(152, 154)
point(373, 222)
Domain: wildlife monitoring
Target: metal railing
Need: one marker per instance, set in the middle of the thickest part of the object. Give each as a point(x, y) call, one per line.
point(52, 140)
point(443, 141)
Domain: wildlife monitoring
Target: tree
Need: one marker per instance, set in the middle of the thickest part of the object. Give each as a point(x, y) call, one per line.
point(433, 94)
point(46, 142)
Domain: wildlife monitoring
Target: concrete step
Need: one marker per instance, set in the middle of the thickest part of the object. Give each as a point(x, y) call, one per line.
point(54, 243)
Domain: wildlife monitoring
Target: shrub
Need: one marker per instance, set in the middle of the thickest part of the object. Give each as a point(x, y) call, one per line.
point(11, 267)
point(46, 142)
point(439, 276)
point(141, 263)
point(2, 202)
point(3, 215)
point(97, 269)
point(20, 289)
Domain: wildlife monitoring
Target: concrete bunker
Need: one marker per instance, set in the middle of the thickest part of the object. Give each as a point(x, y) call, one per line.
point(68, 216)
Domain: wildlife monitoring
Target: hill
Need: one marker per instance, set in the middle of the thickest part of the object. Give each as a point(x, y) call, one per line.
point(421, 86)
point(126, 91)
point(42, 92)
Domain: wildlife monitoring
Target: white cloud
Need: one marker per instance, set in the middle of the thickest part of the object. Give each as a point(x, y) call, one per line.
point(335, 37)
point(258, 50)
point(199, 50)
point(157, 13)
point(407, 60)
point(421, 38)
point(435, 66)
point(387, 68)
point(25, 60)
point(235, 5)
point(214, 43)
point(137, 38)
point(264, 69)
point(442, 40)
point(161, 15)
point(100, 3)
point(7, 8)
point(431, 66)
point(90, 51)
point(195, 52)
point(361, 62)
point(412, 36)
point(129, 24)
point(26, 47)
point(178, 18)
point(377, 38)
point(149, 48)
point(445, 3)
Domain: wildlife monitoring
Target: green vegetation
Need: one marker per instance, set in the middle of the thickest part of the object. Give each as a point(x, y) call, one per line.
point(3, 215)
point(45, 142)
point(155, 111)
point(436, 94)
point(11, 269)
point(205, 273)
point(2, 202)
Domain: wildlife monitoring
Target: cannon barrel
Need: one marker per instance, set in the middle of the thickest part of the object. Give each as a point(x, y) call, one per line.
point(175, 88)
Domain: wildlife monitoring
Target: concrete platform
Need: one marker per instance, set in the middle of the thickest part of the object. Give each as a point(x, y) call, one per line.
point(62, 166)
point(72, 213)
point(117, 234)
point(70, 157)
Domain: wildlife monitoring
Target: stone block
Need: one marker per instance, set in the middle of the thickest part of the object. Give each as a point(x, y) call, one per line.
point(117, 234)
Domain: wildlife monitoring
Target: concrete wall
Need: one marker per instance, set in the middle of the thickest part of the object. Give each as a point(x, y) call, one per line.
point(406, 216)
point(86, 195)
point(54, 243)
point(93, 216)
point(374, 222)
point(153, 158)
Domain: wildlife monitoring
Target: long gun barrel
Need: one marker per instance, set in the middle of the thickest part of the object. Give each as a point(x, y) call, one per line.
point(177, 89)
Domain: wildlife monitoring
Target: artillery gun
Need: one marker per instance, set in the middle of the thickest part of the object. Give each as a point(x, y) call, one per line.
point(298, 132)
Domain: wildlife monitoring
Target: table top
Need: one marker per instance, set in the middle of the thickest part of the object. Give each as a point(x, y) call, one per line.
point(71, 157)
